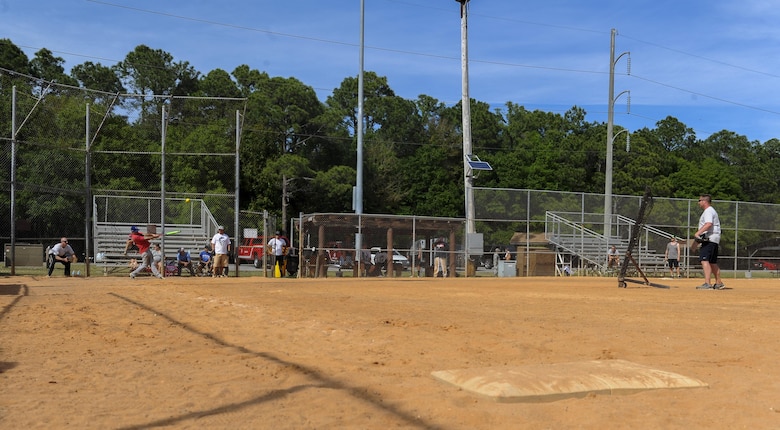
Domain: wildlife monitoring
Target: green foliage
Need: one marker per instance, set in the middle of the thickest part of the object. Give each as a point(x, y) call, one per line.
point(412, 149)
point(13, 58)
point(330, 191)
point(49, 67)
point(706, 177)
point(97, 77)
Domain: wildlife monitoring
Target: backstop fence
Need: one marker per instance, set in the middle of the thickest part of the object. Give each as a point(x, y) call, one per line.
point(67, 144)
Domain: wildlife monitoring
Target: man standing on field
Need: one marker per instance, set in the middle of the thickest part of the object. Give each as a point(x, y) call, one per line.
point(673, 256)
point(278, 248)
point(220, 243)
point(708, 237)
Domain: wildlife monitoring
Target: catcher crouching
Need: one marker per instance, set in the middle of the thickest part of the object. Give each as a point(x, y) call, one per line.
point(63, 253)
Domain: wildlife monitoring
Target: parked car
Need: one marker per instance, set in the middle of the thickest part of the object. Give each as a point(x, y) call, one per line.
point(398, 258)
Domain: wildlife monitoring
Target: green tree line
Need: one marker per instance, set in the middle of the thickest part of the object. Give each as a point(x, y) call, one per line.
point(413, 161)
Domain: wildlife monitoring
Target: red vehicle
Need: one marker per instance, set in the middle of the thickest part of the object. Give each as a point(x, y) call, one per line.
point(252, 249)
point(766, 265)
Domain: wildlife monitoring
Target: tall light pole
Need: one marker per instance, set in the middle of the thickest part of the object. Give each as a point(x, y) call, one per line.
point(468, 180)
point(357, 195)
point(610, 138)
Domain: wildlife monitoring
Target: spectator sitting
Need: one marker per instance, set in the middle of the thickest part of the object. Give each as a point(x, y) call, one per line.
point(613, 257)
point(158, 258)
point(183, 259)
point(204, 266)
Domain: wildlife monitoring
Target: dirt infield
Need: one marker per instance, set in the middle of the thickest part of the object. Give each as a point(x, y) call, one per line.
point(252, 353)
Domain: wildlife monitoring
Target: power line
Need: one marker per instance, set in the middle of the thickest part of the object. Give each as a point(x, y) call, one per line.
point(455, 58)
point(701, 57)
point(747, 106)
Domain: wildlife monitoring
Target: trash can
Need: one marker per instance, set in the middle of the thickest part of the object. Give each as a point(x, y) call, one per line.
point(507, 269)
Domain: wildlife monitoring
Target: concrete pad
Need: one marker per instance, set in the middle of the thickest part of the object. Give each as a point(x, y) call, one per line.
point(552, 382)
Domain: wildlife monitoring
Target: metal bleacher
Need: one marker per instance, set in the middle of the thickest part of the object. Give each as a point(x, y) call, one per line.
point(110, 236)
point(580, 238)
point(110, 244)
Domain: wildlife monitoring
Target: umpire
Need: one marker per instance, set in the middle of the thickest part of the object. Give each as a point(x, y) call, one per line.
point(63, 253)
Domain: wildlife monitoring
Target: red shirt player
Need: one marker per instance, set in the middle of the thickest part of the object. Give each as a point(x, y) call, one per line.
point(142, 241)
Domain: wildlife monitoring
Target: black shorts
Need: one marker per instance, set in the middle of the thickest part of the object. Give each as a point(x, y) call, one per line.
point(673, 262)
point(709, 252)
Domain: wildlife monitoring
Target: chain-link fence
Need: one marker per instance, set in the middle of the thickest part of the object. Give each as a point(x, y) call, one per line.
point(514, 223)
point(68, 144)
point(749, 230)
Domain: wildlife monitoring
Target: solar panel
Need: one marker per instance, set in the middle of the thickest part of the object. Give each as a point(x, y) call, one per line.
point(476, 164)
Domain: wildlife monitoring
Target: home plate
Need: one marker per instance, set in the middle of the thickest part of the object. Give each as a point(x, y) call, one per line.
point(551, 382)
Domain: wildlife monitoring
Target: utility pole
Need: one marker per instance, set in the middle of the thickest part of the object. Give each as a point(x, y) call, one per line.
point(468, 180)
point(358, 194)
point(610, 138)
point(284, 200)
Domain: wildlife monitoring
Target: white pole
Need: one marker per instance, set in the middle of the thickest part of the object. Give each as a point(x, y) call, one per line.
point(358, 194)
point(87, 196)
point(164, 128)
point(236, 190)
point(13, 181)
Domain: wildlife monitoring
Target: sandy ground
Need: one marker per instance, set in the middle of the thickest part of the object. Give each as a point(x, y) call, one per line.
point(252, 353)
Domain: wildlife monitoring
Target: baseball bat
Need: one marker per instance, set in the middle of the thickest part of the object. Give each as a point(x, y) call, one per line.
point(168, 233)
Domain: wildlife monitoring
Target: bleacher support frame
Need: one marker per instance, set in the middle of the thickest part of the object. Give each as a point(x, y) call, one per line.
point(575, 234)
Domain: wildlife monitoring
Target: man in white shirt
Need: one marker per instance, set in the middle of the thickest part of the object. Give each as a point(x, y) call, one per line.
point(708, 237)
point(220, 243)
point(278, 247)
point(613, 257)
point(62, 253)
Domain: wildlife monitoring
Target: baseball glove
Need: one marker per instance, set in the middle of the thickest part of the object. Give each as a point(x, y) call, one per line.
point(701, 239)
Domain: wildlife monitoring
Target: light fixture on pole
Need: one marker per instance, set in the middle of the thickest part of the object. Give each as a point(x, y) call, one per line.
point(628, 138)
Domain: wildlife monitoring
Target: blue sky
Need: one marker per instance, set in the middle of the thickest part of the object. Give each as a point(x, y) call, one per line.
point(711, 64)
